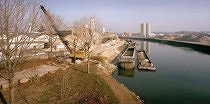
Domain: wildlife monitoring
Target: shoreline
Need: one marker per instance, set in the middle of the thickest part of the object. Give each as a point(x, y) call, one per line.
point(124, 95)
point(104, 68)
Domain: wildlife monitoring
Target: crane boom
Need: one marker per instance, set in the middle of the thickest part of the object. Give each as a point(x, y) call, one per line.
point(66, 43)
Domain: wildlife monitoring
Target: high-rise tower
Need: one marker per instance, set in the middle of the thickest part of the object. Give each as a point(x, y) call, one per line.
point(92, 25)
point(145, 30)
point(142, 30)
point(103, 30)
point(148, 30)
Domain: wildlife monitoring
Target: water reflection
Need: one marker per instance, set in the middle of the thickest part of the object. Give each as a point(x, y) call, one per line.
point(182, 76)
point(144, 45)
point(126, 72)
point(205, 49)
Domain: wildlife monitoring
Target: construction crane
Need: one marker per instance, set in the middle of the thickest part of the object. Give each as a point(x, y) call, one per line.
point(60, 34)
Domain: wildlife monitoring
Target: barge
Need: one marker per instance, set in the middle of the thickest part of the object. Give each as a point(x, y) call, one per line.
point(144, 61)
point(132, 44)
point(127, 60)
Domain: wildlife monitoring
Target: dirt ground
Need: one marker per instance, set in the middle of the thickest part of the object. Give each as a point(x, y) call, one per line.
point(73, 85)
point(27, 64)
point(123, 94)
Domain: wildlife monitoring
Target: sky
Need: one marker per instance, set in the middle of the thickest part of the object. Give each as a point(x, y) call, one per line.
point(126, 15)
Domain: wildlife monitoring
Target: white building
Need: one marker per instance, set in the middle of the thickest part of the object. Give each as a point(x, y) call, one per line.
point(92, 24)
point(42, 38)
point(104, 30)
point(152, 35)
point(21, 38)
point(160, 34)
point(148, 30)
point(145, 30)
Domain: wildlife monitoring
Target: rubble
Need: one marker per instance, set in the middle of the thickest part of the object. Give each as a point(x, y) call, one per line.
point(23, 80)
point(78, 61)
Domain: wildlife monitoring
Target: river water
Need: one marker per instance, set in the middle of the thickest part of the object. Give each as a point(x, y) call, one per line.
point(182, 76)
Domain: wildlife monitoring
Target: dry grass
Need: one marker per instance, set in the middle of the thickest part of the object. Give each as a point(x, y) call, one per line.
point(26, 64)
point(81, 88)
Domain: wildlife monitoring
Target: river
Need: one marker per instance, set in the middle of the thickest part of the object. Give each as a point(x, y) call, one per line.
point(182, 76)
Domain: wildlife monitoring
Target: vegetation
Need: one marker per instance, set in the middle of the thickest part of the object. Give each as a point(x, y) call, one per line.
point(71, 86)
point(17, 18)
point(88, 34)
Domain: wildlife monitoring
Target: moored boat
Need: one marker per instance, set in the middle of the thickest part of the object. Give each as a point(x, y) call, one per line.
point(132, 44)
point(144, 61)
point(127, 60)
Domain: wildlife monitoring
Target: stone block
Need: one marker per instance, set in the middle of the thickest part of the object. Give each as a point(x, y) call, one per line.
point(78, 61)
point(23, 80)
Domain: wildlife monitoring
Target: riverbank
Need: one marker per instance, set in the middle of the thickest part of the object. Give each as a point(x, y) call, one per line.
point(124, 95)
point(72, 84)
point(192, 45)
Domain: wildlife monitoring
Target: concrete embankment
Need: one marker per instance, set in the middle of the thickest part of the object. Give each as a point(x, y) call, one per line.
point(193, 45)
point(109, 52)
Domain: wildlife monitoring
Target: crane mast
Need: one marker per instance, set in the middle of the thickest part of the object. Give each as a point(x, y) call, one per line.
point(66, 43)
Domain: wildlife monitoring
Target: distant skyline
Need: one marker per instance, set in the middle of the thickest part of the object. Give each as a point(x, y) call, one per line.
point(126, 15)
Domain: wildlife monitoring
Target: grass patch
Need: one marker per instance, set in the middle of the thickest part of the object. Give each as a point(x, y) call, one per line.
point(71, 86)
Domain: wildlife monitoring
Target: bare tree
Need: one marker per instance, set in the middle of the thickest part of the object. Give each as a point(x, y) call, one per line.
point(89, 29)
point(75, 45)
point(17, 19)
point(49, 30)
point(76, 39)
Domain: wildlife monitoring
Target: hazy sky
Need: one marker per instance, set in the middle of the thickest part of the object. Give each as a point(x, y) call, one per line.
point(126, 15)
